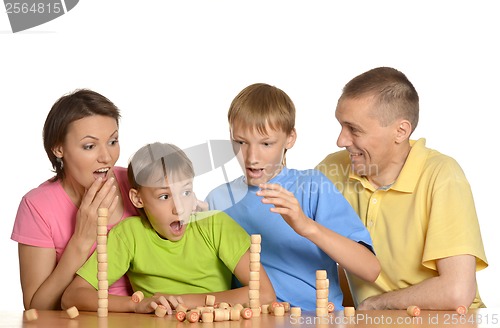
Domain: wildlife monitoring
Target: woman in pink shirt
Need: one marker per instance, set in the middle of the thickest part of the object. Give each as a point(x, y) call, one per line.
point(56, 222)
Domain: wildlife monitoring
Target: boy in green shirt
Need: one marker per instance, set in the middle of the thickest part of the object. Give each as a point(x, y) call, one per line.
point(169, 253)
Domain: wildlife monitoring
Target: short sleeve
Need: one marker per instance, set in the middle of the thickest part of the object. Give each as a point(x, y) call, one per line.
point(30, 227)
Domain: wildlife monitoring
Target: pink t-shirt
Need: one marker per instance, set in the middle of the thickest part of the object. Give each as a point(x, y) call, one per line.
point(46, 217)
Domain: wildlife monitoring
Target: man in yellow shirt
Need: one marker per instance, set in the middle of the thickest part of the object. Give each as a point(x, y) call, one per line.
point(415, 202)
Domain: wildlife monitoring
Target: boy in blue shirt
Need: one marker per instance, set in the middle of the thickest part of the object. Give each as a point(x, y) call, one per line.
point(305, 222)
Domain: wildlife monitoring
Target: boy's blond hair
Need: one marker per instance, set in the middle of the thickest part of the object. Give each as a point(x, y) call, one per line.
point(261, 105)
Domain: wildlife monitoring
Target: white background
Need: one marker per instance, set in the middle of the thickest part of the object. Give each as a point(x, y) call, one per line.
point(173, 68)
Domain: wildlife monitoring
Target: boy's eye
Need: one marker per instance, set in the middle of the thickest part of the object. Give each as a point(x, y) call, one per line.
point(187, 193)
point(164, 197)
point(88, 147)
point(113, 142)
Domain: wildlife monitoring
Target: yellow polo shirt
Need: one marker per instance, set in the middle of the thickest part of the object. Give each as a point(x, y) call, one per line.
point(427, 214)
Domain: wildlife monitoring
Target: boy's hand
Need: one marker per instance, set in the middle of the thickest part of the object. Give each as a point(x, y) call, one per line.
point(199, 205)
point(150, 304)
point(286, 205)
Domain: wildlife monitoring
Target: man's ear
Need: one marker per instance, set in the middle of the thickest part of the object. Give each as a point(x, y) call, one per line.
point(135, 198)
point(403, 131)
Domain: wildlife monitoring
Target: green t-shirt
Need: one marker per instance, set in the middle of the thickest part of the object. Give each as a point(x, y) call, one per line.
point(201, 262)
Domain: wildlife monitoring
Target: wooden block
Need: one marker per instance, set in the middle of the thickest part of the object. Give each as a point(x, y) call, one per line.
point(102, 275)
point(102, 293)
point(255, 239)
point(160, 311)
point(254, 257)
point(138, 296)
point(238, 307)
point(321, 312)
point(256, 311)
point(254, 285)
point(102, 230)
point(279, 311)
point(322, 302)
point(102, 284)
point(253, 294)
point(193, 316)
point(103, 266)
point(210, 300)
point(102, 303)
point(264, 308)
point(462, 310)
point(102, 221)
point(31, 314)
point(255, 248)
point(322, 283)
point(321, 293)
point(72, 312)
point(102, 211)
point(413, 311)
point(321, 274)
point(180, 316)
point(246, 313)
point(255, 303)
point(286, 305)
point(349, 311)
point(219, 315)
point(207, 317)
point(274, 305)
point(102, 257)
point(255, 275)
point(102, 312)
point(254, 266)
point(102, 240)
point(235, 314)
point(296, 311)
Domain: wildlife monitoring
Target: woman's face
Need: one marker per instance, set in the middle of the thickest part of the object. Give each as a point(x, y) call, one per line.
point(90, 149)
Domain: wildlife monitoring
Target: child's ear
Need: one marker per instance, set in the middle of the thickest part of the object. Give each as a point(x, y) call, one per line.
point(292, 137)
point(135, 198)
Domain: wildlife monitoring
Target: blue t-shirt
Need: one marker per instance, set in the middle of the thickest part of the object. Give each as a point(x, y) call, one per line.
point(291, 260)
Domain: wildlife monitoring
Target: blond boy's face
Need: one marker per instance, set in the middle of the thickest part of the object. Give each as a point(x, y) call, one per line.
point(168, 206)
point(260, 155)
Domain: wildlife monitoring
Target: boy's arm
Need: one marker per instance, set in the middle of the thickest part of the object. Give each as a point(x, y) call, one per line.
point(237, 295)
point(353, 256)
point(84, 296)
